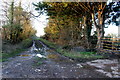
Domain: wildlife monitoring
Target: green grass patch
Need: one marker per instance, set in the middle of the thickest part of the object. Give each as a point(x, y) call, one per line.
point(82, 55)
point(79, 54)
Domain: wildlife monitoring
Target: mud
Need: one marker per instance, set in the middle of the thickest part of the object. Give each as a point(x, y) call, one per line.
point(54, 66)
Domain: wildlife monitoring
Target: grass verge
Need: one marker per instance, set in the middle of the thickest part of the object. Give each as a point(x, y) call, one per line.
point(48, 43)
point(72, 54)
point(5, 56)
point(81, 55)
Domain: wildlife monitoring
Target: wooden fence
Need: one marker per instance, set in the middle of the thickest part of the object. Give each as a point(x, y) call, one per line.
point(111, 45)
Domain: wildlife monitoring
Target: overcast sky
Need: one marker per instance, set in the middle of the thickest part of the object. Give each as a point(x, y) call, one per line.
point(40, 23)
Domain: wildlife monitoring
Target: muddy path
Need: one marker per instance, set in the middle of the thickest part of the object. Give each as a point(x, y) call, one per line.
point(53, 65)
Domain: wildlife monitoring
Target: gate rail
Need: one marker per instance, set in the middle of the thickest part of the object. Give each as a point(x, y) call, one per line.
point(111, 45)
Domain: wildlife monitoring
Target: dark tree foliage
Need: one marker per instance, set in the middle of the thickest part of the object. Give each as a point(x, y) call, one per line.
point(41, 7)
point(112, 13)
point(86, 14)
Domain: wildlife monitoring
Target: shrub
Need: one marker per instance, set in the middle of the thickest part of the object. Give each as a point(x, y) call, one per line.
point(68, 47)
point(26, 43)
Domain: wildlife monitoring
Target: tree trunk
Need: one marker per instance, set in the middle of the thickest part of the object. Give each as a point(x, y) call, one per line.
point(86, 33)
point(11, 21)
point(100, 30)
point(99, 27)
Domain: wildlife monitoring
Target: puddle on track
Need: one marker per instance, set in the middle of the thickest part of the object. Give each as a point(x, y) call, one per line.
point(59, 65)
point(58, 58)
point(24, 55)
point(52, 56)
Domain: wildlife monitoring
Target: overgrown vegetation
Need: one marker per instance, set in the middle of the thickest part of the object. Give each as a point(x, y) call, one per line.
point(72, 54)
point(10, 50)
point(26, 43)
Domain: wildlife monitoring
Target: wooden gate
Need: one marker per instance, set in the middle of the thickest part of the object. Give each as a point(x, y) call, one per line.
point(111, 45)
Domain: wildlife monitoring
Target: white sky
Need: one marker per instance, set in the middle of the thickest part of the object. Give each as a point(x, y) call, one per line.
point(111, 29)
point(40, 23)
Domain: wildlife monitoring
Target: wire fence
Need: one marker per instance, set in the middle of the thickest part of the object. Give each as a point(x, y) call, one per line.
point(111, 45)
